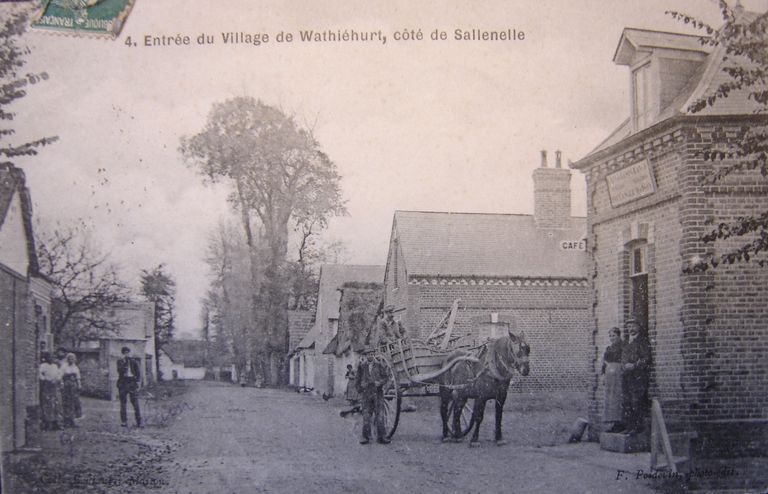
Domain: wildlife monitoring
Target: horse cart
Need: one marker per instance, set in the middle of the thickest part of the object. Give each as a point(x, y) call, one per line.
point(414, 368)
point(455, 368)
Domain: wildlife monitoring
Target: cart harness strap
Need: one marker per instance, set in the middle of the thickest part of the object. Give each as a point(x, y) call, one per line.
point(423, 378)
point(492, 365)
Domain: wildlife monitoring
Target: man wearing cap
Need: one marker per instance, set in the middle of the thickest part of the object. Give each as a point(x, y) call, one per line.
point(369, 381)
point(387, 328)
point(636, 364)
point(128, 379)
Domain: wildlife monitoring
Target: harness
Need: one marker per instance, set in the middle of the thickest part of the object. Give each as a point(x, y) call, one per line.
point(492, 366)
point(496, 366)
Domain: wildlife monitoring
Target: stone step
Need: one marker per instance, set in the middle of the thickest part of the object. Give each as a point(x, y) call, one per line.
point(625, 443)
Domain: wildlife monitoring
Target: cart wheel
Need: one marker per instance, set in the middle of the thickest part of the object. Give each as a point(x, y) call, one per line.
point(465, 421)
point(392, 401)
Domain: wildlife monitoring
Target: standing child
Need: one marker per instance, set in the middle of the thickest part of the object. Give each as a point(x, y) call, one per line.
point(351, 394)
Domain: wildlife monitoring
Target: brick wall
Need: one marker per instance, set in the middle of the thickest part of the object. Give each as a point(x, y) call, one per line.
point(27, 367)
point(18, 360)
point(707, 330)
point(728, 305)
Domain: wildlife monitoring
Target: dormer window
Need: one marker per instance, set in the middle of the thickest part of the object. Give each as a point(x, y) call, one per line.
point(661, 65)
point(641, 81)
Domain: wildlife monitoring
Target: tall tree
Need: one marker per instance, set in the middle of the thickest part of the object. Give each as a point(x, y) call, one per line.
point(12, 86)
point(159, 287)
point(279, 175)
point(86, 286)
point(227, 303)
point(743, 41)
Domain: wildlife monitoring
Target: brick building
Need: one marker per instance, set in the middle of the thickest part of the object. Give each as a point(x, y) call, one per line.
point(24, 312)
point(501, 267)
point(648, 208)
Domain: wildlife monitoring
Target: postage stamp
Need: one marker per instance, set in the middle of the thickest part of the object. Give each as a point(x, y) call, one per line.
point(82, 17)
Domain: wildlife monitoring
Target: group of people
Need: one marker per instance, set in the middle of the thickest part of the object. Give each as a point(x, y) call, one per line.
point(60, 386)
point(626, 366)
point(59, 390)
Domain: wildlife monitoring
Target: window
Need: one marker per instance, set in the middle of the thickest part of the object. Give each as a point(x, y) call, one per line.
point(641, 81)
point(638, 284)
point(638, 261)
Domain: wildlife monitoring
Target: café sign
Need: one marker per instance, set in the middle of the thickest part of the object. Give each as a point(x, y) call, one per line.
point(573, 244)
point(630, 183)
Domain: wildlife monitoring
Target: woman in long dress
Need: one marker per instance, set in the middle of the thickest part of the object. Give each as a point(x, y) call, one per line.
point(612, 408)
point(50, 404)
point(70, 391)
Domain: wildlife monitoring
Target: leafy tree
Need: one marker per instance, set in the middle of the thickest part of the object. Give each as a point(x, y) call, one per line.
point(12, 85)
point(743, 39)
point(159, 287)
point(86, 286)
point(226, 314)
point(279, 175)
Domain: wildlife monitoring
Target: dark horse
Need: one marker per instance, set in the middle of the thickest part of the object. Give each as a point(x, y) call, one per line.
point(482, 378)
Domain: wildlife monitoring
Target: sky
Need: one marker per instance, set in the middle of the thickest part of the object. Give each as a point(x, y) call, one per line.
point(411, 125)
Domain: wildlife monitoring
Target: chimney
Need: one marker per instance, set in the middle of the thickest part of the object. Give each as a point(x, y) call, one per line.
point(552, 194)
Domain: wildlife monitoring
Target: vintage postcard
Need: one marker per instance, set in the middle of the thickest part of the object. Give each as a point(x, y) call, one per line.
point(440, 246)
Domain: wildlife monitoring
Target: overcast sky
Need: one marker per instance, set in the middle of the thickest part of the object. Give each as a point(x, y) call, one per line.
point(438, 126)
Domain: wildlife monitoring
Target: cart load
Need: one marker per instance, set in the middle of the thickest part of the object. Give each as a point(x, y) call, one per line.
point(416, 362)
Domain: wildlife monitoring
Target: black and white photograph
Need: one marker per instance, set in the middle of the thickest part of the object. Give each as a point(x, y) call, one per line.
point(383, 246)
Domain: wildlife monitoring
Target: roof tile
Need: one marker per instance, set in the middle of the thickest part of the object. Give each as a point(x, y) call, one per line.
point(492, 245)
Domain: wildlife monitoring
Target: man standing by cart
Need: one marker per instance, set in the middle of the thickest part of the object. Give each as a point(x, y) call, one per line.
point(370, 380)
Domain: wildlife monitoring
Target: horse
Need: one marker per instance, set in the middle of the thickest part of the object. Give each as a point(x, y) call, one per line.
point(482, 378)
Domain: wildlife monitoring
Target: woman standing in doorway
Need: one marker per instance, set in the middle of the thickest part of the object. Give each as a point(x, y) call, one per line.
point(612, 407)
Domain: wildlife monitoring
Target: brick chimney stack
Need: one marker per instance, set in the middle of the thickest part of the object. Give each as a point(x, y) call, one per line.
point(552, 194)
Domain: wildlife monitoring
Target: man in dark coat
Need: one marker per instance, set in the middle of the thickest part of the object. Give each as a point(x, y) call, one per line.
point(636, 365)
point(128, 381)
point(386, 328)
point(369, 381)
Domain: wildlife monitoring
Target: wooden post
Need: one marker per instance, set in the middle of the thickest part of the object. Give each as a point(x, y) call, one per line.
point(659, 434)
point(449, 328)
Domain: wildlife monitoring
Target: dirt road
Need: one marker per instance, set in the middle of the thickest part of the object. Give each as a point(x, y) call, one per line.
point(243, 440)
